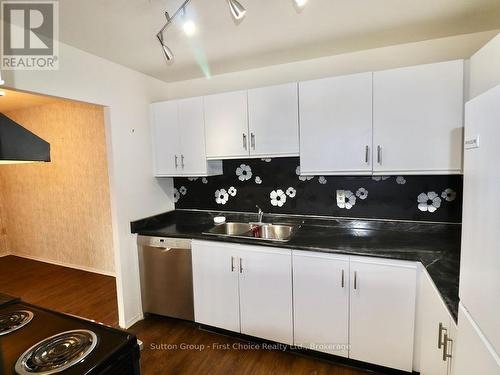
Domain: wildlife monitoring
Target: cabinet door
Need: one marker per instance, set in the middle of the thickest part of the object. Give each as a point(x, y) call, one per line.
point(321, 302)
point(266, 293)
point(418, 119)
point(434, 322)
point(474, 354)
point(192, 132)
point(165, 137)
point(382, 315)
point(336, 125)
point(226, 123)
point(215, 285)
point(273, 117)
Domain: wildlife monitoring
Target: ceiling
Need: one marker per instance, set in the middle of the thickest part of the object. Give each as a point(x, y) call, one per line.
point(14, 100)
point(273, 31)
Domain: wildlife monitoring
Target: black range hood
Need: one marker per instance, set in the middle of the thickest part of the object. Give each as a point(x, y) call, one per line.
point(20, 145)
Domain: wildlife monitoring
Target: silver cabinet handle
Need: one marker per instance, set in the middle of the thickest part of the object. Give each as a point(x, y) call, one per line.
point(241, 265)
point(442, 329)
point(379, 154)
point(446, 339)
point(252, 140)
point(342, 282)
point(367, 156)
point(244, 141)
point(232, 264)
point(175, 161)
point(355, 280)
point(182, 161)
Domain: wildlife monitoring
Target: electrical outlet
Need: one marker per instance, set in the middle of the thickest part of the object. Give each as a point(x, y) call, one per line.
point(340, 196)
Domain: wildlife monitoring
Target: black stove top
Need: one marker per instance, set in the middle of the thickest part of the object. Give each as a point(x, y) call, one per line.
point(53, 343)
point(5, 299)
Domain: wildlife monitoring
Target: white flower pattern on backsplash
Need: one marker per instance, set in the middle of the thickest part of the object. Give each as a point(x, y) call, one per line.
point(183, 190)
point(267, 160)
point(400, 180)
point(232, 191)
point(291, 192)
point(302, 178)
point(278, 197)
point(244, 172)
point(349, 200)
point(449, 195)
point(192, 178)
point(177, 195)
point(380, 178)
point(221, 196)
point(428, 202)
point(362, 193)
point(204, 180)
point(258, 180)
point(322, 180)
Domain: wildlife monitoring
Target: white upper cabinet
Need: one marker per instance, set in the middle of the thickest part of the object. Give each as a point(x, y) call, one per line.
point(336, 125)
point(321, 302)
point(273, 121)
point(418, 119)
point(178, 134)
point(226, 125)
point(166, 138)
point(382, 313)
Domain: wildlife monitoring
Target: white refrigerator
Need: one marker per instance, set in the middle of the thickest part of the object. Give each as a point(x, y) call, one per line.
point(478, 340)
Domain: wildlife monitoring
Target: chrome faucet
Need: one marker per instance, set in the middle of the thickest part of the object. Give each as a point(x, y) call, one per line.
point(260, 213)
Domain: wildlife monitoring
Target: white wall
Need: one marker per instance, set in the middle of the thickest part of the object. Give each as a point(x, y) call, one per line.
point(485, 68)
point(135, 193)
point(450, 48)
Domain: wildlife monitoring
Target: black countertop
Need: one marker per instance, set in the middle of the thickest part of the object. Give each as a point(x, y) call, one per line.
point(435, 245)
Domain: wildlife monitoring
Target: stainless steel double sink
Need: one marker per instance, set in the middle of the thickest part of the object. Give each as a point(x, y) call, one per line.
point(257, 231)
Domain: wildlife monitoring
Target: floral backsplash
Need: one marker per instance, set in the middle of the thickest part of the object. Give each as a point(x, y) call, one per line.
point(276, 186)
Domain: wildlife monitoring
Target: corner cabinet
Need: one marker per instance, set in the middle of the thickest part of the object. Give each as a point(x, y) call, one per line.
point(437, 330)
point(260, 122)
point(418, 119)
point(178, 136)
point(245, 289)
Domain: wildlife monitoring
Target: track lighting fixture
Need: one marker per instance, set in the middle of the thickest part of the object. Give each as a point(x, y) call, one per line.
point(237, 10)
point(300, 3)
point(167, 53)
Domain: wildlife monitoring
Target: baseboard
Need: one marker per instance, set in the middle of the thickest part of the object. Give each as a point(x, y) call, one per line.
point(129, 323)
point(4, 254)
point(64, 264)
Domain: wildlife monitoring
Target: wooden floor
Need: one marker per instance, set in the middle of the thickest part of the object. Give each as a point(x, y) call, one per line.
point(170, 346)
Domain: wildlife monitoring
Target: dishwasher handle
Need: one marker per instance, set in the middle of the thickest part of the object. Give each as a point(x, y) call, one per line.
point(163, 243)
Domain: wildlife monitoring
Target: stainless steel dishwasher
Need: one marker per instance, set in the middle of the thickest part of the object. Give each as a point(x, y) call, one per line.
point(166, 276)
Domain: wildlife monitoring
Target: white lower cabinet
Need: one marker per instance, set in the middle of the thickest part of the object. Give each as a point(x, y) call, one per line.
point(437, 330)
point(215, 285)
point(321, 302)
point(246, 289)
point(382, 312)
point(266, 293)
point(357, 307)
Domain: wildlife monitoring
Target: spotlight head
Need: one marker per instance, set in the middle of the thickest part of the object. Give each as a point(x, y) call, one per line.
point(237, 10)
point(300, 3)
point(167, 53)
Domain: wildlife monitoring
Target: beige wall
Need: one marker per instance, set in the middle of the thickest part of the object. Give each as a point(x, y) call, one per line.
point(60, 211)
